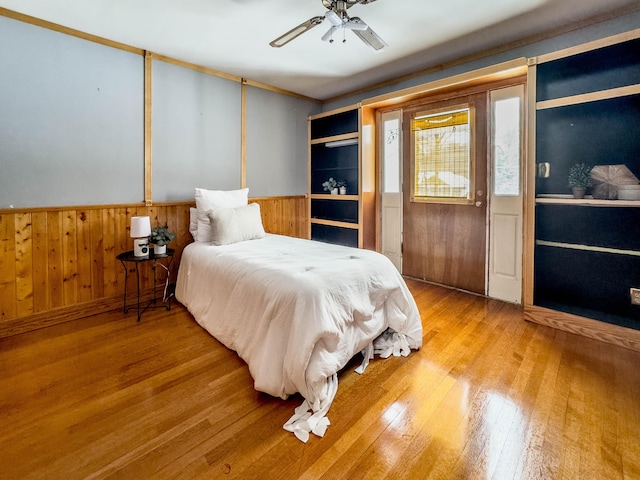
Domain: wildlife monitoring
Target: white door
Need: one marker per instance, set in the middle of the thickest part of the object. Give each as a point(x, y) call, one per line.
point(391, 187)
point(506, 195)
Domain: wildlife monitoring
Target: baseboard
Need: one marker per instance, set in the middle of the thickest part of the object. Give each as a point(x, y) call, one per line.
point(29, 323)
point(605, 332)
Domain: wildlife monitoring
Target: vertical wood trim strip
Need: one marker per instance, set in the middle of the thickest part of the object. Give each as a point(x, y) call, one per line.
point(40, 262)
point(148, 58)
point(243, 134)
point(530, 186)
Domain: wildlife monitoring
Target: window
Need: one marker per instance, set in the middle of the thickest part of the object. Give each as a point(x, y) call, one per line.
point(442, 155)
point(506, 140)
point(391, 156)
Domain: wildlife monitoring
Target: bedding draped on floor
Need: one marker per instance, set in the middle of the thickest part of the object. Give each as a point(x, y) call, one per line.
point(296, 311)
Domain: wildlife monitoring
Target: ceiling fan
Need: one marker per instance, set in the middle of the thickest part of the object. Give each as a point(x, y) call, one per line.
point(340, 21)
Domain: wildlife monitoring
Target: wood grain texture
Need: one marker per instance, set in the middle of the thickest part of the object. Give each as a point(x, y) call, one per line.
point(446, 243)
point(54, 260)
point(488, 396)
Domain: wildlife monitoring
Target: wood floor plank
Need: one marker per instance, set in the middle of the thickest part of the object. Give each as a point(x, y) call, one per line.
point(487, 396)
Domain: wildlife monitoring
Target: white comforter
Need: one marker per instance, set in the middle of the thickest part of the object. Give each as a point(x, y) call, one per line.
point(296, 311)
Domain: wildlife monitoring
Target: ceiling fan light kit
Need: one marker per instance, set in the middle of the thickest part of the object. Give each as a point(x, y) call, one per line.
point(340, 21)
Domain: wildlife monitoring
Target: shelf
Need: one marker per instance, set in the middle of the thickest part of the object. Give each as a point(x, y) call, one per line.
point(334, 124)
point(588, 202)
point(603, 68)
point(584, 261)
point(327, 196)
point(588, 248)
point(334, 138)
point(331, 169)
point(334, 223)
point(589, 97)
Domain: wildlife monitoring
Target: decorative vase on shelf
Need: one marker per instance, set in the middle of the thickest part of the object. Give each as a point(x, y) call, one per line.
point(343, 190)
point(578, 192)
point(334, 191)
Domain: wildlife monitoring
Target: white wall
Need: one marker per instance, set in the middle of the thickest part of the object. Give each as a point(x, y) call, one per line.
point(72, 127)
point(70, 117)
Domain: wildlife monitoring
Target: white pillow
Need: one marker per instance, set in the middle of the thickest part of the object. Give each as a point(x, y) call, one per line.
point(193, 222)
point(232, 225)
point(207, 200)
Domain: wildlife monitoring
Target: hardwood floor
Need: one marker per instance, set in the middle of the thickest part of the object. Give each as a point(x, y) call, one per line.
point(489, 396)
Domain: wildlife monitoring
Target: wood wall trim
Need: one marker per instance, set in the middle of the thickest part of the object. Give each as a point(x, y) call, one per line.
point(589, 97)
point(16, 326)
point(481, 76)
point(148, 165)
point(68, 31)
point(529, 171)
point(264, 86)
point(597, 330)
point(121, 46)
point(59, 208)
point(243, 134)
point(585, 47)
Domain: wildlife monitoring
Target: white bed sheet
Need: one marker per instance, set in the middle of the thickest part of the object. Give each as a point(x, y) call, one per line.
point(296, 311)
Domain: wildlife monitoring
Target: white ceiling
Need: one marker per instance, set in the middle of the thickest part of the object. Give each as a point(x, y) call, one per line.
point(233, 36)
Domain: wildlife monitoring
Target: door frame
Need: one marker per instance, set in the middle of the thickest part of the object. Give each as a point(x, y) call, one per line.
point(510, 72)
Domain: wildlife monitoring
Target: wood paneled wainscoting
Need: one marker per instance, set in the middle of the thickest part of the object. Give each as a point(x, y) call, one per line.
point(59, 264)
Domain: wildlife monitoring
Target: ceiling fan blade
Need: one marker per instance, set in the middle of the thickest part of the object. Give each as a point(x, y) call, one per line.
point(296, 32)
point(371, 38)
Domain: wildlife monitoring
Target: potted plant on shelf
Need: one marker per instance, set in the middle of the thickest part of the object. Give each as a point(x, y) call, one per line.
point(160, 237)
point(331, 186)
point(580, 179)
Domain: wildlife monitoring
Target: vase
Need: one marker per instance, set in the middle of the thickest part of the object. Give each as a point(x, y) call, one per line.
point(578, 192)
point(334, 191)
point(343, 190)
point(159, 249)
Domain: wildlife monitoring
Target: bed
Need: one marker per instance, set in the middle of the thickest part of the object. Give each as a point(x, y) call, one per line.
point(296, 311)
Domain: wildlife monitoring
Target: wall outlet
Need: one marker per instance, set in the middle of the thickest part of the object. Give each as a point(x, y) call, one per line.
point(635, 296)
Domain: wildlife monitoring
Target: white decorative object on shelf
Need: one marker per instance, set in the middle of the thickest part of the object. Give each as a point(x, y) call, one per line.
point(629, 192)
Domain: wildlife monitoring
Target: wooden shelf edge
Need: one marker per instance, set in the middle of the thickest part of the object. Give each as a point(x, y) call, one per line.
point(326, 196)
point(335, 223)
point(608, 94)
point(593, 202)
point(334, 138)
point(586, 327)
